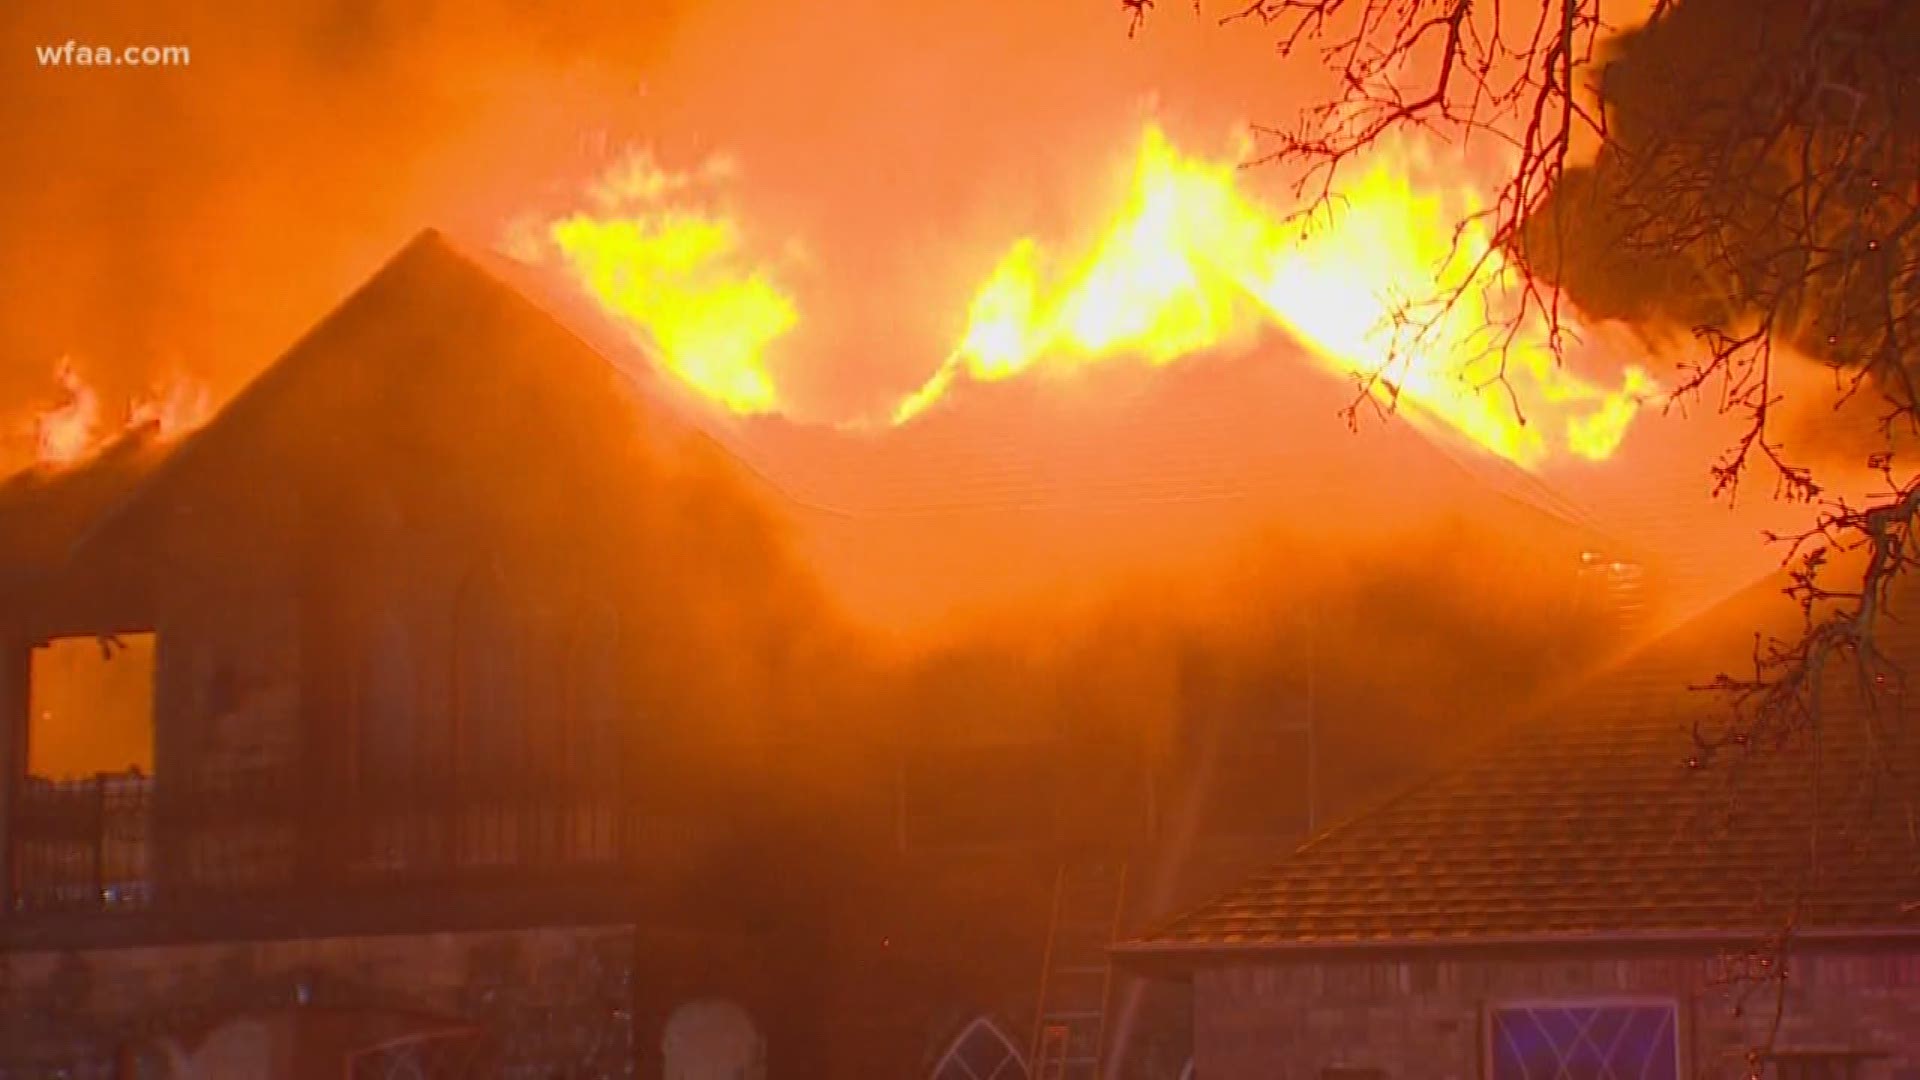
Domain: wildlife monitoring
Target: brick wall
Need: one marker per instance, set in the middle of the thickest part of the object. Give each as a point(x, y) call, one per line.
point(547, 999)
point(1422, 1018)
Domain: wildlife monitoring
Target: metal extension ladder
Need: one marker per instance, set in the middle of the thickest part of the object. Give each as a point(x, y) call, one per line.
point(1076, 975)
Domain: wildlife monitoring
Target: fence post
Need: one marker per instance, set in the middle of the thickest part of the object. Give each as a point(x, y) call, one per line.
point(16, 666)
point(98, 835)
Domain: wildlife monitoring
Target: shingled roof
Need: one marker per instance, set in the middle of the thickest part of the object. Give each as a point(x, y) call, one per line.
point(1599, 820)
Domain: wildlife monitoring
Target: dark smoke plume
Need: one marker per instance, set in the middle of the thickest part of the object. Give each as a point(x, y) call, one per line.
point(1687, 209)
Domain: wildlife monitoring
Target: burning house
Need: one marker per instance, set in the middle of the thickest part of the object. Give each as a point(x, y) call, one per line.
point(444, 705)
point(883, 507)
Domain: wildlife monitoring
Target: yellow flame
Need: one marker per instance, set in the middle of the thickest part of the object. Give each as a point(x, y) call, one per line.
point(682, 278)
point(1193, 262)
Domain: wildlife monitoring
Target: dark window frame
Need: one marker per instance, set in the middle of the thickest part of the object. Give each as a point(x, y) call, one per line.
point(1490, 1015)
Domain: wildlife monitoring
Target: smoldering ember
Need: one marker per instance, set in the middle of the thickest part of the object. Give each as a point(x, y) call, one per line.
point(1320, 539)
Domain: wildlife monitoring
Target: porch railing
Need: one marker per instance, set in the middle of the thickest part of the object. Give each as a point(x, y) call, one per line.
point(84, 843)
point(123, 843)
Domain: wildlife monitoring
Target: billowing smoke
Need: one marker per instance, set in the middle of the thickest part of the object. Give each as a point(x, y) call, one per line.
point(199, 218)
point(193, 220)
point(1760, 163)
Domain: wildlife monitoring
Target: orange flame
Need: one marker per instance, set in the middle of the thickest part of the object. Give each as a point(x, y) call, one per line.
point(1192, 263)
point(171, 408)
point(70, 430)
point(67, 431)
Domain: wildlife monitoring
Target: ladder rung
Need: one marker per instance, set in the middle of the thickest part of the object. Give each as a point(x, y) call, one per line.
point(1076, 975)
point(1071, 989)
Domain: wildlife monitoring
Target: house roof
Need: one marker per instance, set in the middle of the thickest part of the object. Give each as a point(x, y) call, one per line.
point(429, 366)
point(1600, 820)
point(1207, 449)
point(43, 510)
point(1015, 482)
point(1216, 445)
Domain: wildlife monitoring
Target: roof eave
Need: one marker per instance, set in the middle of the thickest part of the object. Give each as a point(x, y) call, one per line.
point(1165, 954)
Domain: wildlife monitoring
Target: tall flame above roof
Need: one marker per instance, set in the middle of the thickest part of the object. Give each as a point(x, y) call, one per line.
point(1191, 261)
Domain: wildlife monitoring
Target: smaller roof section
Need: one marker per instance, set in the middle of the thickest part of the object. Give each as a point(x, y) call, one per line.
point(45, 510)
point(1601, 821)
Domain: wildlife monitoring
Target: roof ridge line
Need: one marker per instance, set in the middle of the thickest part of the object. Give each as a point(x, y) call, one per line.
point(271, 375)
